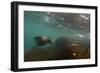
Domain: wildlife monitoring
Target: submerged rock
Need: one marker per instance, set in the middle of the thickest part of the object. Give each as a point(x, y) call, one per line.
point(62, 43)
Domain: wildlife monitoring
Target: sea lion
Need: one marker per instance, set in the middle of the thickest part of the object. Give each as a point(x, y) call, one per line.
point(42, 40)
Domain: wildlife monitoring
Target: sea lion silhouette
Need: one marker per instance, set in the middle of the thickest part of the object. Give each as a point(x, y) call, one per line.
point(42, 40)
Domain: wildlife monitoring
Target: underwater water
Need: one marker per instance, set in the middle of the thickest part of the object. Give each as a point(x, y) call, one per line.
point(56, 36)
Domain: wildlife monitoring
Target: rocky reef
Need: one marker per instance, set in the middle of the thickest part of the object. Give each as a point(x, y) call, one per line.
point(61, 49)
